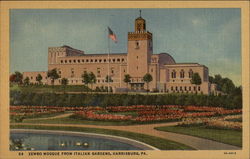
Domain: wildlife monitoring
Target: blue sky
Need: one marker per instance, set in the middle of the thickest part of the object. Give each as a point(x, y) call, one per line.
point(206, 36)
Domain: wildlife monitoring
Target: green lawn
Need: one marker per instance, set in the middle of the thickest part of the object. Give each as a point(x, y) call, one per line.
point(235, 120)
point(50, 88)
point(232, 137)
point(157, 142)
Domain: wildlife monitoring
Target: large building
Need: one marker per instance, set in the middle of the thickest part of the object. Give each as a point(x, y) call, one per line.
point(168, 76)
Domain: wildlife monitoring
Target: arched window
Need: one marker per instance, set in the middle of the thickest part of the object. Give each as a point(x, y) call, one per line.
point(118, 60)
point(100, 60)
point(173, 74)
point(78, 61)
point(137, 45)
point(190, 73)
point(82, 60)
point(182, 74)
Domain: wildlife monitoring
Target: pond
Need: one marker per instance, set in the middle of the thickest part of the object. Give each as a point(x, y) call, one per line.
point(23, 139)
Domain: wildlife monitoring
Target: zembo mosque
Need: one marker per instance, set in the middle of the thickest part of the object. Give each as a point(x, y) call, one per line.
point(168, 76)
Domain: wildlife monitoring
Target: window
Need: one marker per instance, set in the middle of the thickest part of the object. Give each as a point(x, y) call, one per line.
point(122, 60)
point(95, 60)
point(173, 74)
point(72, 72)
point(112, 70)
point(182, 74)
point(69, 61)
point(124, 70)
point(137, 45)
point(98, 70)
point(74, 61)
point(113, 60)
point(31, 77)
point(137, 57)
point(181, 88)
point(185, 88)
point(118, 60)
point(91, 60)
point(137, 67)
point(199, 88)
point(176, 88)
point(190, 73)
point(82, 60)
point(189, 88)
point(100, 60)
point(65, 61)
point(78, 61)
point(87, 60)
point(104, 60)
point(61, 61)
point(172, 88)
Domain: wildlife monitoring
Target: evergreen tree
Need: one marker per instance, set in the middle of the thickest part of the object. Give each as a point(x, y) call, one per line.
point(53, 75)
point(127, 79)
point(147, 78)
point(39, 78)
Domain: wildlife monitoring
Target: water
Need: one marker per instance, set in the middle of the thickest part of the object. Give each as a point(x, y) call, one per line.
point(43, 141)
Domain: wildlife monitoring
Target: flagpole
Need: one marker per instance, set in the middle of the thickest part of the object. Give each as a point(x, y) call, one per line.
point(108, 59)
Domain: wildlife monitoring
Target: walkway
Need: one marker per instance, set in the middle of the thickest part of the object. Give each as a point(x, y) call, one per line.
point(53, 117)
point(195, 142)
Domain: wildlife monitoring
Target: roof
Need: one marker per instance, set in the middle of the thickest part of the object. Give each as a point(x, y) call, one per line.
point(105, 54)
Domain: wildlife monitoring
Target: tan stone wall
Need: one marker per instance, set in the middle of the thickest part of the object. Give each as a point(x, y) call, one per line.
point(179, 84)
point(32, 76)
point(137, 58)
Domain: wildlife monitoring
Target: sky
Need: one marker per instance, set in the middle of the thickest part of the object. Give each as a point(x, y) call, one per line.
point(208, 36)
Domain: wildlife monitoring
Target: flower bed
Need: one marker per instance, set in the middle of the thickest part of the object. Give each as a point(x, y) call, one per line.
point(143, 113)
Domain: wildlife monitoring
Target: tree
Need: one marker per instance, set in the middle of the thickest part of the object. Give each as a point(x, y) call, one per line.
point(26, 81)
point(127, 79)
point(227, 86)
point(211, 79)
point(12, 78)
point(196, 79)
point(39, 78)
point(92, 79)
point(85, 78)
point(64, 82)
point(18, 77)
point(147, 78)
point(53, 75)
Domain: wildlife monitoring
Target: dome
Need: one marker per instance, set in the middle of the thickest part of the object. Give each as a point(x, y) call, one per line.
point(165, 59)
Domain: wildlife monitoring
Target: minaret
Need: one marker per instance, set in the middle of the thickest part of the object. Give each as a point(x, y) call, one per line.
point(140, 48)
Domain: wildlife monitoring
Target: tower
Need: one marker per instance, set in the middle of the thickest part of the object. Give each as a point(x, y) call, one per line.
point(140, 48)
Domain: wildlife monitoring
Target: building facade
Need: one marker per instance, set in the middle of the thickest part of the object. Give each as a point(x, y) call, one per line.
point(168, 76)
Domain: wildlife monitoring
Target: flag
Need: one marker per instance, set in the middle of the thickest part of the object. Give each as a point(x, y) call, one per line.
point(112, 35)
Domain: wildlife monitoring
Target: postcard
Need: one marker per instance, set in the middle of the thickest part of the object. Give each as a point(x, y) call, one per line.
point(139, 80)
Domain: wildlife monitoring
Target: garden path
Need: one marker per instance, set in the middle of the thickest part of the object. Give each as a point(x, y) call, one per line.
point(52, 117)
point(195, 142)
